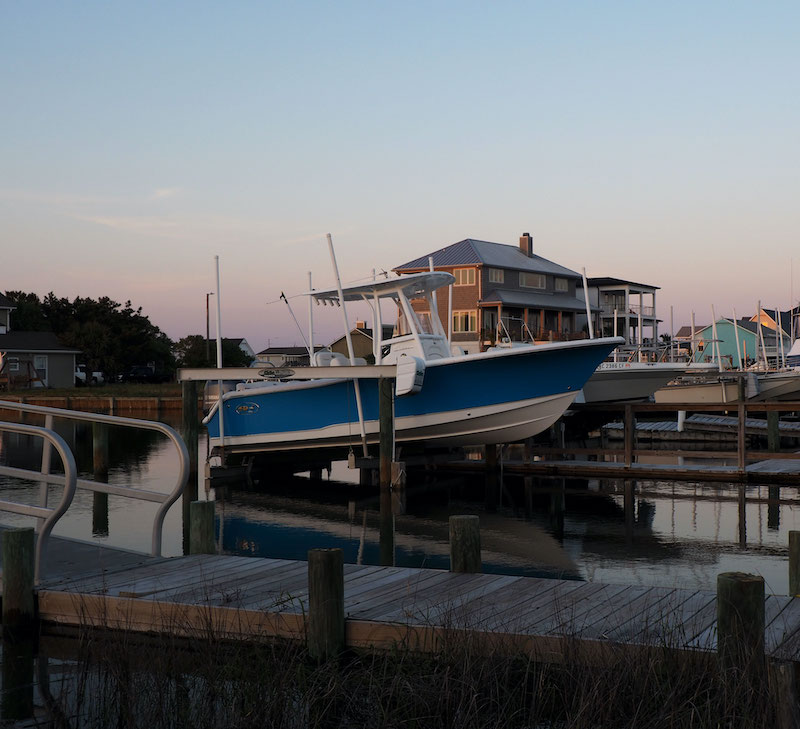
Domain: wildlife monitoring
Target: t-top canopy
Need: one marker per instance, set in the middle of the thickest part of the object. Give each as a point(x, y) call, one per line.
point(411, 286)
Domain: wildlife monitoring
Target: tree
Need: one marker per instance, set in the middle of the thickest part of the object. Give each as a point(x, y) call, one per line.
point(191, 352)
point(112, 337)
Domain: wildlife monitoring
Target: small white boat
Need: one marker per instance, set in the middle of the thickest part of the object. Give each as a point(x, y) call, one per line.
point(628, 381)
point(499, 396)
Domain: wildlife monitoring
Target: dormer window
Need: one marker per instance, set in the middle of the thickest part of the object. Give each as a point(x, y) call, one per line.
point(532, 280)
point(496, 275)
point(562, 284)
point(464, 276)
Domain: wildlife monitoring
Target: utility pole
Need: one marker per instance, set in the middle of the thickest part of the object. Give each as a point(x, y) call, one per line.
point(208, 332)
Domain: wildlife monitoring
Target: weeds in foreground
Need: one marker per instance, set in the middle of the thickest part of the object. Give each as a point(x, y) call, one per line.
point(116, 679)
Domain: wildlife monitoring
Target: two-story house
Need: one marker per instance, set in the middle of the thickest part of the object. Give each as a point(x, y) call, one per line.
point(500, 284)
point(32, 359)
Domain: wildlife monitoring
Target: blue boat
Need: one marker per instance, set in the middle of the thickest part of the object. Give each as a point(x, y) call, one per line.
point(442, 397)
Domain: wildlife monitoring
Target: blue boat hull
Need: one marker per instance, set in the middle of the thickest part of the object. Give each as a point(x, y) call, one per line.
point(493, 397)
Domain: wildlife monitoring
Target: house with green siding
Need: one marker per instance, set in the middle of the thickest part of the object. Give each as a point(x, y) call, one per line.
point(726, 336)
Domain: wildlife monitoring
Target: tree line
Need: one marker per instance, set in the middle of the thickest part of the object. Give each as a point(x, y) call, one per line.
point(114, 337)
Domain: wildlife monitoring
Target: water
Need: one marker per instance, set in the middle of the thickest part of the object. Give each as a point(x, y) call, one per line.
point(674, 534)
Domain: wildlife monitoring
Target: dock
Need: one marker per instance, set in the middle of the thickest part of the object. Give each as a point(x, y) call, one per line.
point(256, 599)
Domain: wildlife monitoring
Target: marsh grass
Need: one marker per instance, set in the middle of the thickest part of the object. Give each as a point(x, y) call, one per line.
point(124, 679)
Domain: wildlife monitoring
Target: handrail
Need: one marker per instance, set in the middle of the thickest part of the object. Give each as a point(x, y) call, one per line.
point(166, 500)
point(49, 516)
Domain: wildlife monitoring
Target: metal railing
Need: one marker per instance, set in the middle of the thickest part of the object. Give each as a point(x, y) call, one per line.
point(45, 477)
point(47, 516)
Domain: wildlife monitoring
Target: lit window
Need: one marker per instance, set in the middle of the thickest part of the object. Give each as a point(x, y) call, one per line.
point(562, 284)
point(533, 280)
point(496, 275)
point(465, 321)
point(464, 276)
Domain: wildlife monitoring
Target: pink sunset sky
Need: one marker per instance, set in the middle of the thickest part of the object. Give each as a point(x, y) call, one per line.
point(652, 143)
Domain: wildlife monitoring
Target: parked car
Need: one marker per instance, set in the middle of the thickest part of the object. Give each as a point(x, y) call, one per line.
point(144, 373)
point(84, 377)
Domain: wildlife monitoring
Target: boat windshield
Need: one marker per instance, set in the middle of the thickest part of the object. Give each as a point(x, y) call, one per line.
point(422, 323)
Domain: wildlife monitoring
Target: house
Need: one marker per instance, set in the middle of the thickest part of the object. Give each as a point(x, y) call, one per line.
point(32, 359)
point(633, 304)
point(502, 287)
point(362, 340)
point(284, 356)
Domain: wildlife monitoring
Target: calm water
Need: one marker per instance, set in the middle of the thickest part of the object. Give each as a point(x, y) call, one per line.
point(674, 534)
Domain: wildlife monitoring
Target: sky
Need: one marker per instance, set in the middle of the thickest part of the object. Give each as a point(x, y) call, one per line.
point(655, 142)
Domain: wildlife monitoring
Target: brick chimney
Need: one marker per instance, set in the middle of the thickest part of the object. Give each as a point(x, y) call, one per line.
point(526, 244)
point(361, 324)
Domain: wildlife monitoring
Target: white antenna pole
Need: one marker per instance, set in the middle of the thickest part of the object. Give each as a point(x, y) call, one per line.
point(693, 358)
point(588, 306)
point(616, 328)
point(641, 326)
point(350, 350)
point(671, 336)
point(760, 338)
point(715, 349)
point(296, 323)
point(736, 332)
point(310, 323)
point(219, 363)
point(434, 302)
point(450, 317)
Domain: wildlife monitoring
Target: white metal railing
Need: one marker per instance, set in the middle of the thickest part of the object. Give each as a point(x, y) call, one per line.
point(166, 500)
point(47, 516)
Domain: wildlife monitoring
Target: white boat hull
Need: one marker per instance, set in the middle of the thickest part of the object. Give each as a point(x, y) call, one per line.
point(621, 381)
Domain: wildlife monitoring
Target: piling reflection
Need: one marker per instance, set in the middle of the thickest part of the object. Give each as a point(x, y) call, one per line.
point(17, 694)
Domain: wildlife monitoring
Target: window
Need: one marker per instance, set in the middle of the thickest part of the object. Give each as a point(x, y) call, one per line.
point(464, 276)
point(533, 280)
point(496, 275)
point(465, 321)
point(13, 364)
point(562, 284)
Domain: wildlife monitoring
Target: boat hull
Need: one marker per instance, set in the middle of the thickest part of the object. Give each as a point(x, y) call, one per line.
point(628, 381)
point(497, 397)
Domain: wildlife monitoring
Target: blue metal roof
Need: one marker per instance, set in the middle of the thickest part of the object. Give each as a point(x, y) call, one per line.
point(471, 252)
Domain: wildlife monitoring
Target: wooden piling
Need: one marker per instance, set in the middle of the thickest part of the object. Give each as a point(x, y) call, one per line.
point(190, 428)
point(201, 527)
point(386, 422)
point(773, 431)
point(18, 574)
point(465, 544)
point(325, 603)
point(740, 624)
point(100, 474)
point(741, 434)
point(630, 434)
point(794, 563)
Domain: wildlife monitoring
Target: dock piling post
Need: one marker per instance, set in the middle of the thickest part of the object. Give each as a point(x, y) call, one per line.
point(18, 571)
point(794, 563)
point(100, 474)
point(325, 603)
point(741, 435)
point(630, 434)
point(465, 544)
point(201, 527)
point(386, 422)
point(740, 624)
point(773, 431)
point(190, 428)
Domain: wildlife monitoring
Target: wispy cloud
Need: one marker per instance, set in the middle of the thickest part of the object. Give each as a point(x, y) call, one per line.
point(160, 193)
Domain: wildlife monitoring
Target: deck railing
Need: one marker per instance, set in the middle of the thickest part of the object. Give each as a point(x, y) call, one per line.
point(47, 516)
point(70, 481)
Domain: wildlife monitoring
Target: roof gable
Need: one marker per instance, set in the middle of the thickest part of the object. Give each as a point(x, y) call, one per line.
point(6, 303)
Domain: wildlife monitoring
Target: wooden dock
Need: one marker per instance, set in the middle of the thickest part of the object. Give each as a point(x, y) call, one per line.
point(250, 598)
point(699, 425)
